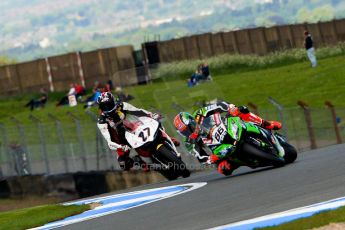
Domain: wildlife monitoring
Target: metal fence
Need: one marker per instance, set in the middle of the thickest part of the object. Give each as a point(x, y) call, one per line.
point(60, 147)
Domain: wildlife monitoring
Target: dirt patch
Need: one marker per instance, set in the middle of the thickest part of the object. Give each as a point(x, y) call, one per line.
point(332, 226)
point(95, 205)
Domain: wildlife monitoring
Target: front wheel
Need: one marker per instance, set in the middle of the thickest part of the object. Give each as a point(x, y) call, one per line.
point(290, 153)
point(173, 165)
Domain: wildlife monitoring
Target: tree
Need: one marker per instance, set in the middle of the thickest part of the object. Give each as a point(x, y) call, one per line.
point(323, 13)
point(6, 61)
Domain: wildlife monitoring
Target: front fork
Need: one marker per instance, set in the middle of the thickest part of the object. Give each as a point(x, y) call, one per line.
point(276, 142)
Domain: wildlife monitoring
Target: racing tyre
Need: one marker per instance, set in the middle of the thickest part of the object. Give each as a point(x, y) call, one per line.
point(290, 153)
point(176, 166)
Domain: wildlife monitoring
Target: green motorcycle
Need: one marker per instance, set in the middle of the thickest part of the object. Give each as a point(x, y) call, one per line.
point(254, 146)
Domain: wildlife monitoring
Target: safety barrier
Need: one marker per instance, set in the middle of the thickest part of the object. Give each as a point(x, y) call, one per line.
point(75, 185)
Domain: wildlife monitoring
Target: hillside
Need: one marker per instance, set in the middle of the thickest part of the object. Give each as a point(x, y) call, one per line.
point(43, 28)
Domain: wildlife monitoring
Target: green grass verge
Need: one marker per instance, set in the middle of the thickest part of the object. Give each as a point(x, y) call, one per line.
point(38, 216)
point(317, 220)
point(253, 80)
point(286, 83)
point(226, 63)
point(9, 204)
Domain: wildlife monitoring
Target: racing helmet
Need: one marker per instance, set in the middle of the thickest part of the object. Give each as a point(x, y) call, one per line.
point(184, 123)
point(107, 103)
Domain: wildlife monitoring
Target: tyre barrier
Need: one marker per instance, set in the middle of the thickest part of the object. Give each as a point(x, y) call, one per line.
point(71, 186)
point(90, 183)
point(4, 189)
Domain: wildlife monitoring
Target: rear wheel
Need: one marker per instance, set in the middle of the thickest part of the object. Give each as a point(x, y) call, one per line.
point(175, 166)
point(263, 157)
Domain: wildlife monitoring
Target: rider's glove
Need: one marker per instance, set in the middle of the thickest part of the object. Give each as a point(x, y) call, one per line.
point(233, 110)
point(125, 148)
point(243, 109)
point(156, 116)
point(193, 138)
point(213, 159)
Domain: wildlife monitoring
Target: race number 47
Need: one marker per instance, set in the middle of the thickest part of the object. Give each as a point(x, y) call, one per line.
point(144, 134)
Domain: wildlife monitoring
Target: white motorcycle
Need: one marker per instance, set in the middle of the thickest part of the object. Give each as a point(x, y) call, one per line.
point(154, 147)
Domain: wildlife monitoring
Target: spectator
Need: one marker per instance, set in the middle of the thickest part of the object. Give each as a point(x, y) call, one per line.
point(96, 91)
point(195, 78)
point(39, 102)
point(309, 46)
point(206, 72)
point(92, 100)
point(199, 68)
point(202, 73)
point(64, 100)
point(79, 91)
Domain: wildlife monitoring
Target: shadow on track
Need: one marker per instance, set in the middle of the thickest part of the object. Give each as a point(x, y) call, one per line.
point(251, 172)
point(243, 174)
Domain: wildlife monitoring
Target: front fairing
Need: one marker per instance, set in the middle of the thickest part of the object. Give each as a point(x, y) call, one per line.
point(219, 136)
point(140, 130)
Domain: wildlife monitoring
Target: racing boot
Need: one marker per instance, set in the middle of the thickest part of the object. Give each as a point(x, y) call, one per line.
point(225, 168)
point(202, 156)
point(271, 125)
point(125, 162)
point(251, 117)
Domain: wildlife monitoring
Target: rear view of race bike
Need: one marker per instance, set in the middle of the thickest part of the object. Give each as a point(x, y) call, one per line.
point(155, 148)
point(254, 145)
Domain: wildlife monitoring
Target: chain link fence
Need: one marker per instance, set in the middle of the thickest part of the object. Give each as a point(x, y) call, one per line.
point(60, 147)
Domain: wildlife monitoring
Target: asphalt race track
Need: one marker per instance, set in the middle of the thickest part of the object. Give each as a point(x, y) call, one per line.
point(316, 176)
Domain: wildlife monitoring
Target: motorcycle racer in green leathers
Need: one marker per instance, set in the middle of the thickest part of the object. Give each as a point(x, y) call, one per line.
point(195, 138)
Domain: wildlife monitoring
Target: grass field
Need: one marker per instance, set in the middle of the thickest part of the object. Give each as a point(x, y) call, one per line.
point(285, 83)
point(37, 216)
point(315, 221)
point(9, 204)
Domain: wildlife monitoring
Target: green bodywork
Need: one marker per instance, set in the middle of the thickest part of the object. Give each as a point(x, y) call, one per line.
point(252, 128)
point(234, 129)
point(223, 150)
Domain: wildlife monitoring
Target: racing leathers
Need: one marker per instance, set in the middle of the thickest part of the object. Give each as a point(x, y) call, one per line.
point(113, 130)
point(212, 112)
